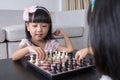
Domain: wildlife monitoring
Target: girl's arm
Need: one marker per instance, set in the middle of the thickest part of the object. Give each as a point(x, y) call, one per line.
point(22, 51)
point(68, 45)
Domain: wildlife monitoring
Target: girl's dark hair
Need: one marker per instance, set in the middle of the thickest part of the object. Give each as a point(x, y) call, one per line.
point(40, 15)
point(104, 25)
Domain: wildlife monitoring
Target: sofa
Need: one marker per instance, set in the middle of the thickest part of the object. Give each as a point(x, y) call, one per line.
point(73, 23)
point(10, 36)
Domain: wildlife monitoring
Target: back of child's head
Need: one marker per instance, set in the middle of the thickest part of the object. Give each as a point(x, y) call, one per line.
point(37, 14)
point(104, 24)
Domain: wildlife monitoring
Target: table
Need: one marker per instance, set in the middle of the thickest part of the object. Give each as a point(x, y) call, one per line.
point(10, 70)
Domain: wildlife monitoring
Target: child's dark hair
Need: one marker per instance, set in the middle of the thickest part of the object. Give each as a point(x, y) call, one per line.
point(40, 15)
point(104, 25)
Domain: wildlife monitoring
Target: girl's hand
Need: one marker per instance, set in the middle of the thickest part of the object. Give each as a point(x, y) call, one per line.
point(81, 54)
point(59, 32)
point(40, 54)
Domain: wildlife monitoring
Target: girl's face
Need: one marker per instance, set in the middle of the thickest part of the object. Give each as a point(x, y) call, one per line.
point(38, 31)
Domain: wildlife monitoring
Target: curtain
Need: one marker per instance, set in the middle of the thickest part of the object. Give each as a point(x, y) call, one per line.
point(75, 4)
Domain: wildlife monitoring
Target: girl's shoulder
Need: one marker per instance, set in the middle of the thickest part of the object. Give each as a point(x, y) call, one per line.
point(25, 42)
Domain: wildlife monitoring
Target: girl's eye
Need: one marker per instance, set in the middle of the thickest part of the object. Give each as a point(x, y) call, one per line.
point(44, 25)
point(34, 25)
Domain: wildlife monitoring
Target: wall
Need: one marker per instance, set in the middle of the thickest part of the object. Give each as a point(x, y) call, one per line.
point(51, 5)
point(71, 18)
point(11, 14)
point(10, 17)
point(11, 11)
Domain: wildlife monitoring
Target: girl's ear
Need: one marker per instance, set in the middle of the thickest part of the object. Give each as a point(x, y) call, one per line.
point(27, 26)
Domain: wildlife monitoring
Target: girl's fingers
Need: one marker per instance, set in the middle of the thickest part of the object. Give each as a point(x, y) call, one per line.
point(78, 56)
point(41, 52)
point(33, 51)
point(43, 55)
point(57, 32)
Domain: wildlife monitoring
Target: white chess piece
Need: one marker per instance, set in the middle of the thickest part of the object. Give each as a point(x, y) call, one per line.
point(37, 62)
point(42, 62)
point(66, 56)
point(63, 55)
point(50, 52)
point(58, 56)
point(31, 59)
point(54, 57)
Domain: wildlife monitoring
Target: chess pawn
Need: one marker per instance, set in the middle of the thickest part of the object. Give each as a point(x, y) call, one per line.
point(37, 62)
point(31, 59)
point(60, 67)
point(65, 66)
point(54, 57)
point(42, 62)
point(59, 56)
point(66, 56)
point(91, 61)
point(71, 66)
point(49, 67)
point(56, 53)
point(63, 55)
point(54, 69)
point(50, 55)
point(81, 63)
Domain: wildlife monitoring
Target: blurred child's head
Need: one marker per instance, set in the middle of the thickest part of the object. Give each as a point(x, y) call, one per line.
point(104, 24)
point(39, 18)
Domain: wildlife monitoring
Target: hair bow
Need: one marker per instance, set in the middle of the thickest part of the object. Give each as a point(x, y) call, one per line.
point(26, 12)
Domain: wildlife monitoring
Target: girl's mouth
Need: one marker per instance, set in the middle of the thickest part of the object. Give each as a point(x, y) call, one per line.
point(39, 35)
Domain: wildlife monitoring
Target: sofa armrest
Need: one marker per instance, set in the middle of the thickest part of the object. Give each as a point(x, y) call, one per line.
point(2, 35)
point(15, 32)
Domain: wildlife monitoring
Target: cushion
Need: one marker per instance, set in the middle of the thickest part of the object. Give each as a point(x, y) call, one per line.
point(71, 31)
point(15, 32)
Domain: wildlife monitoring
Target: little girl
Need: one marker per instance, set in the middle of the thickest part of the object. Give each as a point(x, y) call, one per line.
point(38, 27)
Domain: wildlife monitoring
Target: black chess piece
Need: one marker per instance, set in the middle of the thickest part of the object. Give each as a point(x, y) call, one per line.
point(55, 65)
point(65, 66)
point(75, 62)
point(60, 67)
point(81, 63)
point(91, 61)
point(71, 65)
point(84, 62)
point(71, 56)
point(54, 70)
point(49, 68)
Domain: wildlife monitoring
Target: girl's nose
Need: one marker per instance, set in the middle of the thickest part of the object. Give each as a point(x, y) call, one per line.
point(39, 28)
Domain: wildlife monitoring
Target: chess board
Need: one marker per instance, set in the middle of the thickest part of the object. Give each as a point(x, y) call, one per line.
point(55, 69)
